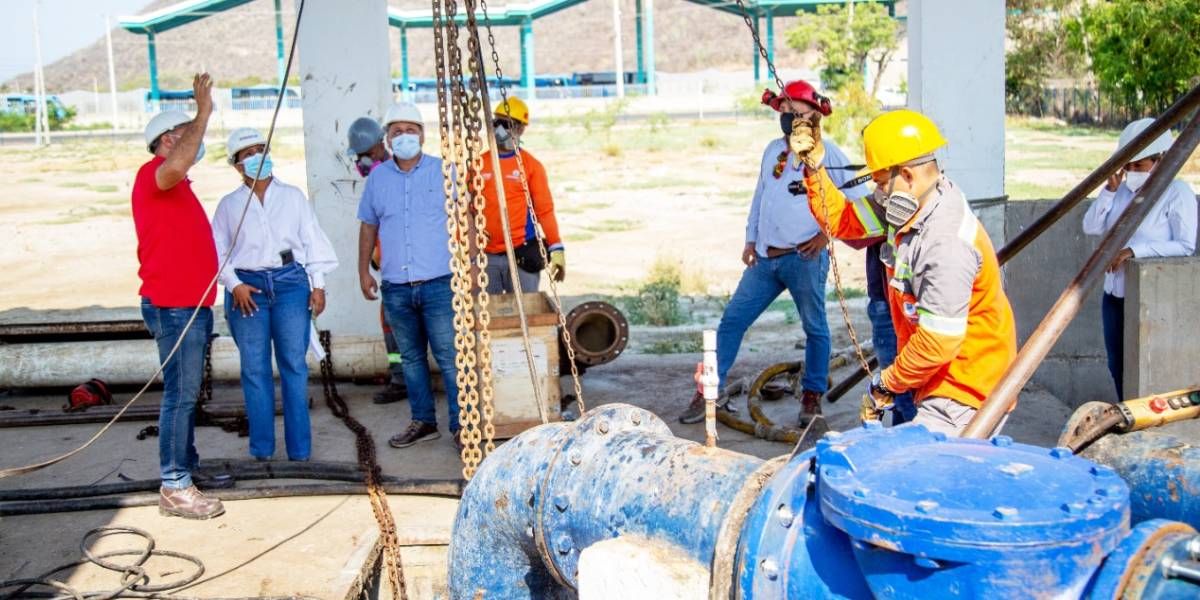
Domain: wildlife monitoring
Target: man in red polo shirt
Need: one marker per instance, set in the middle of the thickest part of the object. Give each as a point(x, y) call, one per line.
point(178, 267)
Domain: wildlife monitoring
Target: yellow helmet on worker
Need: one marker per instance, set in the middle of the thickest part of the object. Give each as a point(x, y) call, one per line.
point(897, 137)
point(513, 108)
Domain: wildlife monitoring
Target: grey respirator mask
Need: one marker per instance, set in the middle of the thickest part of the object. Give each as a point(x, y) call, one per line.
point(900, 207)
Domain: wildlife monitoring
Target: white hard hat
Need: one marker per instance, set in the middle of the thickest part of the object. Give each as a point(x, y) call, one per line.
point(242, 138)
point(162, 123)
point(1158, 146)
point(405, 112)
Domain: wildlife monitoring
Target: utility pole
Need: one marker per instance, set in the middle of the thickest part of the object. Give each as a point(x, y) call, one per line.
point(618, 56)
point(112, 72)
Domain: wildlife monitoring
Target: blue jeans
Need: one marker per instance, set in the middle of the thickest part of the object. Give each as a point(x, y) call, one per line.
point(422, 316)
point(182, 376)
point(1112, 315)
point(282, 321)
point(883, 332)
point(761, 284)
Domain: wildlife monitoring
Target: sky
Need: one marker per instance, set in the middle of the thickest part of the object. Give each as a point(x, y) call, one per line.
point(67, 25)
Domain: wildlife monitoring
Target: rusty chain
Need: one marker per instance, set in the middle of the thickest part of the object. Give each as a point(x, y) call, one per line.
point(828, 227)
point(537, 227)
point(372, 474)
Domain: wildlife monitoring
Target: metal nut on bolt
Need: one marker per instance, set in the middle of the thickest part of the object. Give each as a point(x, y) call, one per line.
point(770, 568)
point(602, 427)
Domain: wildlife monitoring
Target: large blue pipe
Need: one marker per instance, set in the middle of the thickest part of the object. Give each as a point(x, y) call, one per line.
point(873, 513)
point(1162, 466)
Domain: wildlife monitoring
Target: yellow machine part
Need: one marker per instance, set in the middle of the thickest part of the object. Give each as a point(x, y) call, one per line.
point(1160, 409)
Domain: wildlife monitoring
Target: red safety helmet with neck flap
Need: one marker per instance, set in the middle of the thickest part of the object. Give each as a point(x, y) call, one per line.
point(798, 90)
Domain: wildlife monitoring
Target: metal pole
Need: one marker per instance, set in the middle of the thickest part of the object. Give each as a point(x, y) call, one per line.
point(651, 71)
point(112, 72)
point(618, 55)
point(154, 96)
point(772, 74)
point(1182, 107)
point(404, 93)
point(757, 58)
point(1004, 395)
point(638, 36)
point(39, 84)
point(528, 77)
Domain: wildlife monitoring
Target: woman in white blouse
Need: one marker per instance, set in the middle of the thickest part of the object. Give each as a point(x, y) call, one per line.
point(274, 285)
point(1169, 230)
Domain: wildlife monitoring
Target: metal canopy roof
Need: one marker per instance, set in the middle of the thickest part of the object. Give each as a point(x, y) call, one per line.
point(779, 7)
point(177, 15)
point(509, 14)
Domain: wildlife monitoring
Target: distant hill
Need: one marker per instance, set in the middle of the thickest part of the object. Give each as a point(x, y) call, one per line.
point(238, 46)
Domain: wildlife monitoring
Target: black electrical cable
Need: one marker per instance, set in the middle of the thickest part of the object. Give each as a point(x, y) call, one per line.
point(448, 488)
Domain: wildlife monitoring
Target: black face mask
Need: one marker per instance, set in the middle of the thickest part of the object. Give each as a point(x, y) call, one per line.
point(785, 122)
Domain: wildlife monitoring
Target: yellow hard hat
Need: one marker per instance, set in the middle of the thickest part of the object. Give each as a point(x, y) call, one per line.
point(899, 136)
point(514, 108)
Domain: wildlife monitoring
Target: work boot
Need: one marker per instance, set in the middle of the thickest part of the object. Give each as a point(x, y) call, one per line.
point(392, 392)
point(211, 480)
point(695, 410)
point(810, 407)
point(416, 432)
point(189, 503)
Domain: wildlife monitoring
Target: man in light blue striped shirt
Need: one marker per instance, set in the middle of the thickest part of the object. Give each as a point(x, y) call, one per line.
point(403, 205)
point(785, 250)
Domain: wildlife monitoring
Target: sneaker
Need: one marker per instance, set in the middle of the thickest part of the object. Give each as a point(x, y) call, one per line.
point(189, 503)
point(209, 480)
point(416, 432)
point(392, 392)
point(810, 407)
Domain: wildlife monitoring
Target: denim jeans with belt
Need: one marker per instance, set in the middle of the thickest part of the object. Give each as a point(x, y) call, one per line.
point(883, 331)
point(182, 376)
point(804, 278)
point(281, 321)
point(421, 315)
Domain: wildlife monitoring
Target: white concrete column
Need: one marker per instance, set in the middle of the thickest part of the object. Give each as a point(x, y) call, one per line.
point(956, 77)
point(337, 90)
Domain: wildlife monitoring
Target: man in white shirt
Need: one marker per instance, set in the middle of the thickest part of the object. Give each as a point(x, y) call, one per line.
point(1169, 230)
point(274, 282)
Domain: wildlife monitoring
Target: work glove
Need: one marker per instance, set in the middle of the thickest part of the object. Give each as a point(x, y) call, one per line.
point(558, 265)
point(876, 401)
point(805, 143)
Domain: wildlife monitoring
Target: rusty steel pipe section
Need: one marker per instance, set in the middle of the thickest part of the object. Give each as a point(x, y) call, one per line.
point(1004, 395)
point(599, 334)
point(1174, 114)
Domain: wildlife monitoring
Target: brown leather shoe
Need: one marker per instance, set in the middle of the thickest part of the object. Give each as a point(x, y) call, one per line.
point(416, 432)
point(189, 503)
point(810, 407)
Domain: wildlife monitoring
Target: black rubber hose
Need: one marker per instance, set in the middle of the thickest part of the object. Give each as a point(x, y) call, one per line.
point(449, 488)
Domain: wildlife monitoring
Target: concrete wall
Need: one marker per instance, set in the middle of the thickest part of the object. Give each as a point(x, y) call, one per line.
point(1076, 369)
point(1162, 302)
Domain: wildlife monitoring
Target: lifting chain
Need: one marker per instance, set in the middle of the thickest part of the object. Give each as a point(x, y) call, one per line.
point(833, 262)
point(537, 227)
point(372, 474)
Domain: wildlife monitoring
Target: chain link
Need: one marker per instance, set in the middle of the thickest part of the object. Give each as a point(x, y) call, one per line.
point(537, 227)
point(828, 227)
point(372, 474)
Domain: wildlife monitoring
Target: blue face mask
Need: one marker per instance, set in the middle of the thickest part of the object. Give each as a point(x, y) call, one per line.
point(406, 146)
point(251, 166)
point(199, 153)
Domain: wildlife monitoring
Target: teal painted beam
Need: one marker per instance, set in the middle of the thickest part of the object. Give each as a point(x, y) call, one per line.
point(176, 15)
point(404, 61)
point(641, 56)
point(528, 75)
point(150, 46)
point(757, 56)
point(772, 73)
point(279, 43)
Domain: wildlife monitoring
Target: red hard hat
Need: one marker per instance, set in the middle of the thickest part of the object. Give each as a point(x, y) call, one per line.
point(798, 90)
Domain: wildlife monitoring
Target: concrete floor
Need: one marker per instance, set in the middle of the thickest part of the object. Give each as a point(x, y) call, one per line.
point(336, 547)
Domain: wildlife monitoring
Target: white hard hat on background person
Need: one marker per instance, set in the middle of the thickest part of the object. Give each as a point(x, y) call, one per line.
point(403, 112)
point(162, 123)
point(1158, 146)
point(242, 138)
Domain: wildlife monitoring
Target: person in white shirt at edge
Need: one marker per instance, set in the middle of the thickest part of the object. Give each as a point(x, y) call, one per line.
point(1169, 230)
point(274, 286)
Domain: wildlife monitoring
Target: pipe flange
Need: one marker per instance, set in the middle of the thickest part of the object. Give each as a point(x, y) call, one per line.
point(593, 352)
point(1134, 569)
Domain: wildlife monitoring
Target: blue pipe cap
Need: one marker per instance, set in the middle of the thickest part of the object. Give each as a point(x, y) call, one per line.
point(912, 491)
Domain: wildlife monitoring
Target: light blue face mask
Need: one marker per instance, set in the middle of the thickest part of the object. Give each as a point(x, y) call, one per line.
point(406, 146)
point(251, 163)
point(199, 153)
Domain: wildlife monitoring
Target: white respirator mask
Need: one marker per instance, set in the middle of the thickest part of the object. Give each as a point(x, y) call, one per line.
point(1136, 179)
